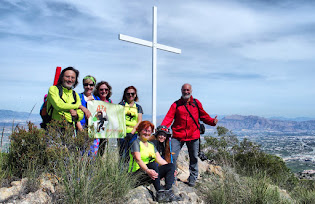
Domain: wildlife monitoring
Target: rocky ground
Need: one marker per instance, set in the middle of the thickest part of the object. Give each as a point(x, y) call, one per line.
point(19, 191)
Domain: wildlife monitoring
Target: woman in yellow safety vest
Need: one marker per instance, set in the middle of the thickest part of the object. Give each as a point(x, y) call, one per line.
point(133, 116)
point(147, 163)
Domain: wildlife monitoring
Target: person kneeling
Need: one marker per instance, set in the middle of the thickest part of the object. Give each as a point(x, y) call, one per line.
point(144, 160)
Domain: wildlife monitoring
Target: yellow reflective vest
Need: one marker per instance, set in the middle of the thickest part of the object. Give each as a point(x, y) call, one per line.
point(131, 116)
point(147, 155)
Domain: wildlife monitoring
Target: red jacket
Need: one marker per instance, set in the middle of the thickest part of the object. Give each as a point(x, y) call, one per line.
point(184, 128)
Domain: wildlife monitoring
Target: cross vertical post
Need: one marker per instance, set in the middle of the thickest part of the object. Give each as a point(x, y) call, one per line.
point(154, 72)
point(154, 46)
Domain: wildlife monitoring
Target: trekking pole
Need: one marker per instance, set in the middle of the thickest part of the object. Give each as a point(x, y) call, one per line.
point(73, 123)
point(170, 142)
point(171, 149)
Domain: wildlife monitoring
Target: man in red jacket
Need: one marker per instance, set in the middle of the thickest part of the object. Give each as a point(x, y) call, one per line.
point(185, 130)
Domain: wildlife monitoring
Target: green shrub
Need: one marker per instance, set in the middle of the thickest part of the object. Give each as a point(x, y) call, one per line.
point(233, 188)
point(219, 148)
point(43, 149)
point(248, 158)
point(27, 146)
point(83, 179)
point(304, 192)
point(99, 180)
point(3, 171)
point(251, 163)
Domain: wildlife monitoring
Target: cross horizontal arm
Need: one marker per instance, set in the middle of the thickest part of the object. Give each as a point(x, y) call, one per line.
point(168, 48)
point(148, 43)
point(135, 40)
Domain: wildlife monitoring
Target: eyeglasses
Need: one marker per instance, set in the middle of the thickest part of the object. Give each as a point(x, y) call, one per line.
point(165, 129)
point(130, 94)
point(104, 89)
point(87, 84)
point(147, 131)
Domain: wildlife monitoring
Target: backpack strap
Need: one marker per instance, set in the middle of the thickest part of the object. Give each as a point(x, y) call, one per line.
point(74, 96)
point(51, 108)
point(60, 91)
point(197, 107)
point(191, 116)
point(59, 86)
point(199, 124)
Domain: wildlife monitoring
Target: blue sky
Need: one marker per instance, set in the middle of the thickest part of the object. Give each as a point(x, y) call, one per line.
point(241, 57)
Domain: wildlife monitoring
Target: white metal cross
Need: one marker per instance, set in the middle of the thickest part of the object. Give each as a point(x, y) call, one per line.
point(154, 46)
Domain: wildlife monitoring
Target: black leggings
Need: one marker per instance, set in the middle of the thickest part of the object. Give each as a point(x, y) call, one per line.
point(166, 171)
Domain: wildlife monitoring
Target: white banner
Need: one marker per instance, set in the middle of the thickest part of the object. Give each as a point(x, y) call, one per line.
point(107, 120)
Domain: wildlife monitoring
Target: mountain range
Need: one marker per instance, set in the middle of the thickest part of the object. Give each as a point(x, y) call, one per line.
point(232, 122)
point(256, 123)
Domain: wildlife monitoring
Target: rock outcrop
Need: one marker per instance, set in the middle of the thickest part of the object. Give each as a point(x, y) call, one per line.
point(18, 193)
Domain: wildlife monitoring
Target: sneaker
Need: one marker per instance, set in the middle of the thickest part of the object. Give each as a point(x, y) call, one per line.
point(161, 196)
point(171, 197)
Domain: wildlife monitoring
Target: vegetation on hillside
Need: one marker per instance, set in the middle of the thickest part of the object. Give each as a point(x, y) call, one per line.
point(83, 179)
point(251, 175)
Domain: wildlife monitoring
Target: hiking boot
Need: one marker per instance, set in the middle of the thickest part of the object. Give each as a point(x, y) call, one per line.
point(192, 183)
point(161, 196)
point(171, 197)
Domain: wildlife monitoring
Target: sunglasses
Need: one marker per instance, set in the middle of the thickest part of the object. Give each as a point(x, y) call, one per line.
point(87, 84)
point(165, 129)
point(130, 94)
point(104, 89)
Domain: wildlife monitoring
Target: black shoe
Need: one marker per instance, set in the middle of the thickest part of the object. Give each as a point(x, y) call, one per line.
point(192, 184)
point(161, 196)
point(171, 197)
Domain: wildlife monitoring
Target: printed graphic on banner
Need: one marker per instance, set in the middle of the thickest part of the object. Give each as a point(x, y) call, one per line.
point(107, 120)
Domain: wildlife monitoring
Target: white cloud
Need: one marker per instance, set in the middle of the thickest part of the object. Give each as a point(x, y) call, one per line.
point(286, 48)
point(240, 56)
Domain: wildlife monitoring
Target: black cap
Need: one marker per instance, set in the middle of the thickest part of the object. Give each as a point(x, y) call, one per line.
point(162, 128)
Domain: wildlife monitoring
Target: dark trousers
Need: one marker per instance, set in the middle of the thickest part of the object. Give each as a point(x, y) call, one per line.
point(102, 146)
point(166, 171)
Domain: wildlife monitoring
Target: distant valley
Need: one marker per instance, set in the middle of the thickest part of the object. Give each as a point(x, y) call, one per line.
point(236, 123)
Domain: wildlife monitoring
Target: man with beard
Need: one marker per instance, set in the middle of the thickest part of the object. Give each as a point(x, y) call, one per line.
point(69, 103)
point(185, 128)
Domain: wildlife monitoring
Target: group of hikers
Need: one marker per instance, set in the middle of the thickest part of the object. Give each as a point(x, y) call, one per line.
point(147, 158)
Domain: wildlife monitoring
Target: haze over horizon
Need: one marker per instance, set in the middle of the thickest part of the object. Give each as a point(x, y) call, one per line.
point(241, 57)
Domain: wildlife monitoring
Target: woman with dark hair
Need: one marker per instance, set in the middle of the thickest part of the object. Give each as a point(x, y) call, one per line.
point(133, 116)
point(103, 91)
point(161, 134)
point(147, 163)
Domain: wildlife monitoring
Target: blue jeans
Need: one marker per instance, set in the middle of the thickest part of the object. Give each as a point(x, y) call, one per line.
point(193, 149)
